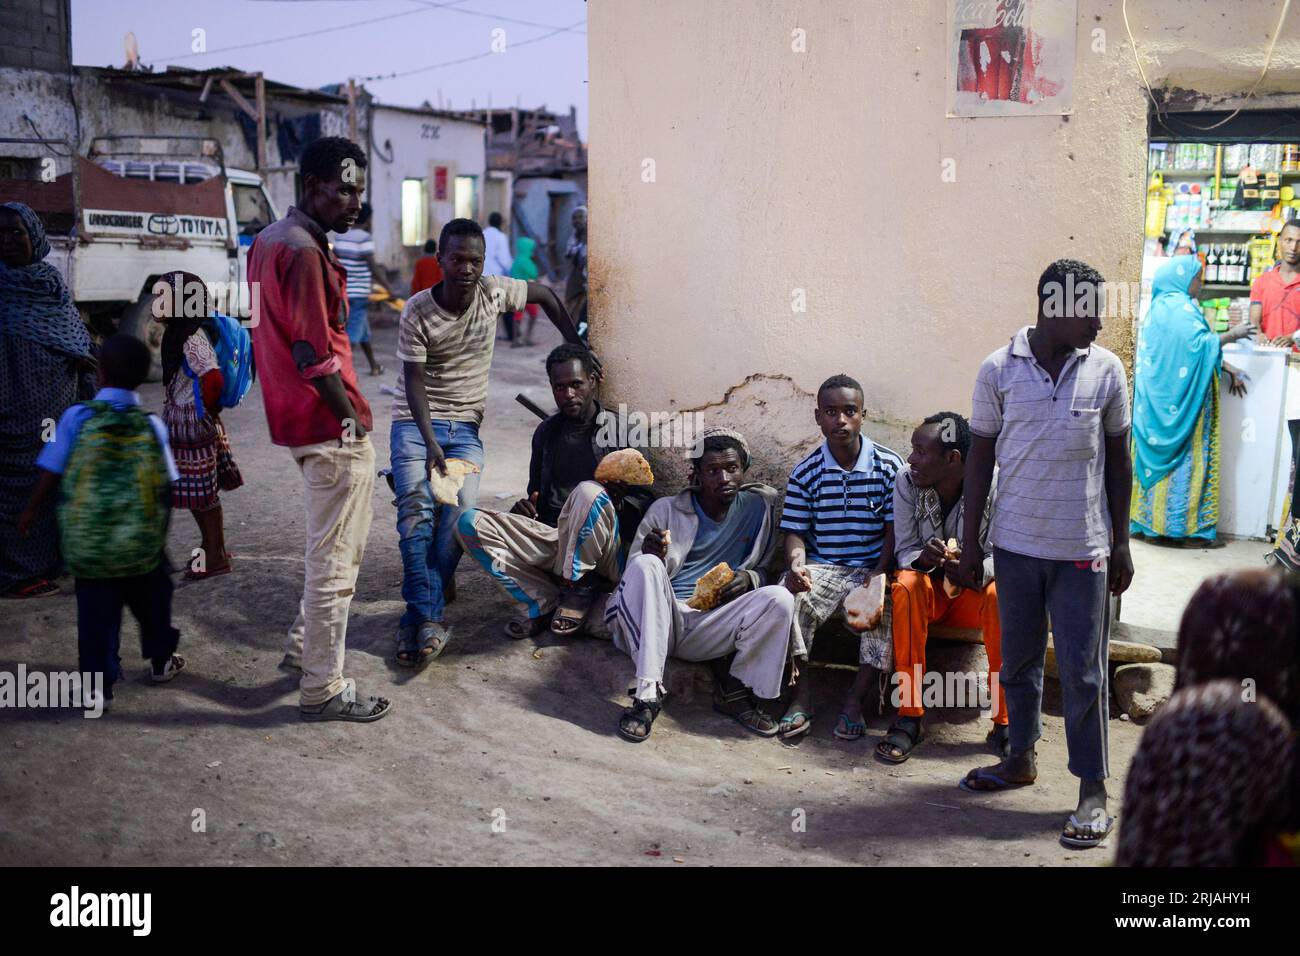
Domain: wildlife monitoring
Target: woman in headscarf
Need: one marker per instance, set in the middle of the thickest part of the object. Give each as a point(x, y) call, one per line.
point(192, 381)
point(1176, 409)
point(524, 268)
point(46, 365)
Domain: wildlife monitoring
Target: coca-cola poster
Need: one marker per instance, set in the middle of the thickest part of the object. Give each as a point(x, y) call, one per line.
point(1011, 57)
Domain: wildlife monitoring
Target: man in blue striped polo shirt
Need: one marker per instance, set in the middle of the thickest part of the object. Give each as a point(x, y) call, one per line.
point(838, 521)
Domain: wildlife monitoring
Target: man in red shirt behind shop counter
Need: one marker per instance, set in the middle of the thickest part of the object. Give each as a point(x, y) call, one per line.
point(1275, 294)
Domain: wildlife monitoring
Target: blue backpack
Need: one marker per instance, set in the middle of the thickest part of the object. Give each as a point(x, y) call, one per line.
point(234, 348)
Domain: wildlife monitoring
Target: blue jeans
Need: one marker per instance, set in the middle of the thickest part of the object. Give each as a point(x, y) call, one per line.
point(427, 528)
point(1074, 595)
point(359, 320)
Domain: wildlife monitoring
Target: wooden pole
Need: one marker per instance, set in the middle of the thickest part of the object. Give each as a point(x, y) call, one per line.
point(352, 109)
point(260, 97)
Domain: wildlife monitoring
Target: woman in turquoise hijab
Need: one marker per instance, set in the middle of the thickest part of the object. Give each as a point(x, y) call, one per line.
point(524, 268)
point(1176, 409)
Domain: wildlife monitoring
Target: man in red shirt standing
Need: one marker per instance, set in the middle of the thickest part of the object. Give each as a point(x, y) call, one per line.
point(314, 408)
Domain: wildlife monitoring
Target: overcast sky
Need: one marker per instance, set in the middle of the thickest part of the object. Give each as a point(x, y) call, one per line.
point(401, 35)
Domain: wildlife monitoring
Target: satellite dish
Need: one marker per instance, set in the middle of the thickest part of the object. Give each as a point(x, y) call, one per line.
point(132, 49)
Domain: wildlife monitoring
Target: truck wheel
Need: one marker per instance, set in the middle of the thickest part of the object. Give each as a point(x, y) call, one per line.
point(137, 319)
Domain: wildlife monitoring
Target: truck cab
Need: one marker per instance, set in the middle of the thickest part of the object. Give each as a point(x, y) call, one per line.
point(136, 208)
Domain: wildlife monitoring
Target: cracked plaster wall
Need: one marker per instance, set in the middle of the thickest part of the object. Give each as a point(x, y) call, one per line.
point(777, 170)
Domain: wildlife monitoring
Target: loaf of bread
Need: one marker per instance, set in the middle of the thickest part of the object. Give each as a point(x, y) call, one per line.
point(707, 587)
point(446, 489)
point(865, 604)
point(951, 552)
point(626, 465)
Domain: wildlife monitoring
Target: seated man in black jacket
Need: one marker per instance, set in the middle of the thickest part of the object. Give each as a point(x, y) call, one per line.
point(565, 542)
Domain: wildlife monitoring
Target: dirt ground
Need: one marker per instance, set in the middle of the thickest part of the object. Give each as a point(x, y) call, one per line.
point(516, 733)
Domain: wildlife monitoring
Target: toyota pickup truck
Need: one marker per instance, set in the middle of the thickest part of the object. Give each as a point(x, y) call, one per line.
point(133, 209)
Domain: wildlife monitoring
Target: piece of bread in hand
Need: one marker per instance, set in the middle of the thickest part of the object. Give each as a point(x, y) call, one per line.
point(707, 587)
point(951, 552)
point(446, 489)
point(626, 465)
point(865, 604)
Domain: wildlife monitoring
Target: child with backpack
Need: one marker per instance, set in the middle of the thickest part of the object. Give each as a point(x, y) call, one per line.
point(112, 467)
point(195, 383)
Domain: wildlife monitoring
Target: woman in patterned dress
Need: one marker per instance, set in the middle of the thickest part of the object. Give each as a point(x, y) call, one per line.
point(193, 382)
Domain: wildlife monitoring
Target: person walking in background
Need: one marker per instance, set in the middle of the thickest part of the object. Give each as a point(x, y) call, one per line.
point(45, 367)
point(427, 271)
point(1176, 409)
point(193, 384)
point(575, 286)
point(1051, 411)
point(111, 465)
point(356, 250)
point(315, 409)
point(524, 268)
point(496, 259)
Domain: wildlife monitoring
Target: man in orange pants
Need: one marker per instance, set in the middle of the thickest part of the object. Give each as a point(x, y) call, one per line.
point(928, 512)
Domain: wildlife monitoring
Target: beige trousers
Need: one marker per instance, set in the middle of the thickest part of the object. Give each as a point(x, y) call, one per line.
point(529, 559)
point(338, 481)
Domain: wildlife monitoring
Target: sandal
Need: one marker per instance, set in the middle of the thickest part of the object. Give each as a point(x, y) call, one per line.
point(345, 706)
point(1076, 841)
point(408, 651)
point(431, 640)
point(990, 779)
point(788, 730)
point(575, 602)
point(377, 370)
point(902, 737)
point(518, 628)
point(999, 740)
point(853, 729)
point(739, 705)
point(641, 714)
point(33, 589)
point(192, 575)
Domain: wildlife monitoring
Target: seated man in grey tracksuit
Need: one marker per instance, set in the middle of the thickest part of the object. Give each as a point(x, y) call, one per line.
point(746, 637)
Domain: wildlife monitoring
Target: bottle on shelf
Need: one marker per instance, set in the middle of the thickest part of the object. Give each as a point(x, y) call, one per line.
point(1212, 265)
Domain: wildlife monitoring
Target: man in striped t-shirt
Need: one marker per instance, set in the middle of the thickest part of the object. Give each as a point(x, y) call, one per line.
point(356, 251)
point(838, 521)
point(1051, 410)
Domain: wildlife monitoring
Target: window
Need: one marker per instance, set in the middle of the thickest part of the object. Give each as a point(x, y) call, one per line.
point(415, 211)
point(466, 197)
point(252, 210)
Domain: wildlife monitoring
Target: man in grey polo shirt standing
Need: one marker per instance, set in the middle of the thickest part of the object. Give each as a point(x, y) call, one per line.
point(1051, 410)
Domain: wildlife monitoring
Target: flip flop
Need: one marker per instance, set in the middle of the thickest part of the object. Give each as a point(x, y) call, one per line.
point(786, 728)
point(853, 729)
point(1084, 843)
